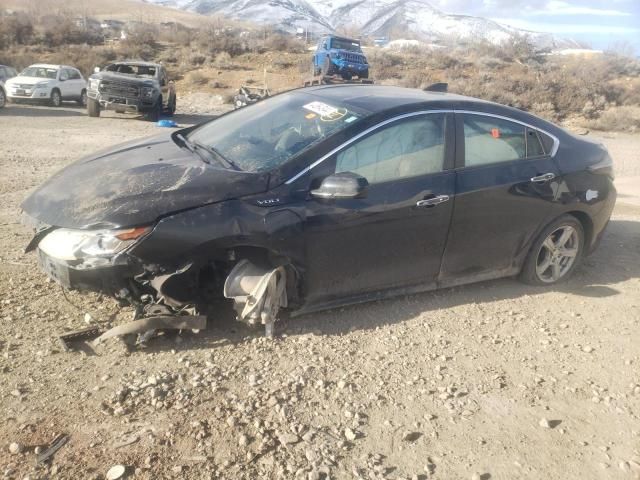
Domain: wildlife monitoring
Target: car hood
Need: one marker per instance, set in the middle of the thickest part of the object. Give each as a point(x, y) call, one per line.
point(134, 184)
point(121, 77)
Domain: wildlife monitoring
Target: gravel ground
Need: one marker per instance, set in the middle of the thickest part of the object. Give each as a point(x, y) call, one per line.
point(495, 380)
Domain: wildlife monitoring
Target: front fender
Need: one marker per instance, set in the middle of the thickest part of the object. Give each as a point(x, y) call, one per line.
point(200, 234)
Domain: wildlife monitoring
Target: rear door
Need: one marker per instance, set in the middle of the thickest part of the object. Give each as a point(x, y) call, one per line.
point(395, 236)
point(505, 187)
point(76, 83)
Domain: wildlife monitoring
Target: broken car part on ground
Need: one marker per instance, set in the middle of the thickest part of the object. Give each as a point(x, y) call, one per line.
point(322, 197)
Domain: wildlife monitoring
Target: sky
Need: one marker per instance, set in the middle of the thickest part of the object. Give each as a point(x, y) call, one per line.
point(602, 24)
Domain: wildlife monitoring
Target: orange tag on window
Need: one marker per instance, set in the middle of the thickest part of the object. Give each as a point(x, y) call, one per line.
point(309, 116)
point(495, 133)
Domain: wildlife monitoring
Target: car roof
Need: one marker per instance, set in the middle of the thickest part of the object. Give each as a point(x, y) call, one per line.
point(381, 98)
point(342, 38)
point(48, 65)
point(377, 98)
point(137, 62)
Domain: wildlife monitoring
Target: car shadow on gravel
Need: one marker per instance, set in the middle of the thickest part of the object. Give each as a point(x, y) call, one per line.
point(616, 260)
point(40, 111)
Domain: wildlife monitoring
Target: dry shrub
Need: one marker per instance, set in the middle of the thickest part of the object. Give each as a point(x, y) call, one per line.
point(277, 42)
point(197, 78)
point(625, 118)
point(223, 60)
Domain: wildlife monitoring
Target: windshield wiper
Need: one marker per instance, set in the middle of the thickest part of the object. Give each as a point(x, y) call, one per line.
point(217, 155)
point(191, 147)
point(187, 144)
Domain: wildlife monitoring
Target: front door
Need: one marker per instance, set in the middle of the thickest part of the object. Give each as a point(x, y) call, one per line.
point(395, 236)
point(504, 193)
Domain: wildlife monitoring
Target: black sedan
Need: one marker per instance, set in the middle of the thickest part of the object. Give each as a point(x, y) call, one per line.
point(326, 196)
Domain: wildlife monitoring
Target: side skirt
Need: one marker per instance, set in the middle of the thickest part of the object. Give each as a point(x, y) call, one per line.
point(395, 292)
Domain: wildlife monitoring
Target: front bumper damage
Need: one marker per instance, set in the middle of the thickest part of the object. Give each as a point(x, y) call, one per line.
point(161, 295)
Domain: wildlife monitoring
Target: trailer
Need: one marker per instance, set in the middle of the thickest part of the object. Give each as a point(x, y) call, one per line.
point(334, 80)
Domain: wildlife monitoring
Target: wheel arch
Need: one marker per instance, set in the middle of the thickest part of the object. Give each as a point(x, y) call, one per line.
point(582, 217)
point(587, 225)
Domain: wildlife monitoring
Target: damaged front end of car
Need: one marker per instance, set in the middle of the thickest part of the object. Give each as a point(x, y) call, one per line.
point(152, 226)
point(106, 261)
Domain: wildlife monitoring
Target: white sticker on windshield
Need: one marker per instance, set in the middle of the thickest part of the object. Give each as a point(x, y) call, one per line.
point(350, 119)
point(321, 109)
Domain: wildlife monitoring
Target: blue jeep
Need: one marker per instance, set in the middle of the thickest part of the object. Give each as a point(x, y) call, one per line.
point(340, 56)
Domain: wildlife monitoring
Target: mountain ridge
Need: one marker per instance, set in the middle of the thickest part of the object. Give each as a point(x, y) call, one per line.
point(378, 18)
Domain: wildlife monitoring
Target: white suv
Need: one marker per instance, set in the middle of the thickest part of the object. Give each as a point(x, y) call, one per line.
point(48, 83)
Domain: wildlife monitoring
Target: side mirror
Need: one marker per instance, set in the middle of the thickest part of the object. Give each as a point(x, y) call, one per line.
point(96, 69)
point(342, 185)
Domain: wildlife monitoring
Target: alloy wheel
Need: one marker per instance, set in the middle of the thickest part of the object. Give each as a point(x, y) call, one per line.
point(557, 254)
point(3, 99)
point(55, 99)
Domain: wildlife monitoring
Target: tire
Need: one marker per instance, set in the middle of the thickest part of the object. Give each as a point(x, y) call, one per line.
point(171, 105)
point(93, 107)
point(327, 67)
point(3, 98)
point(364, 74)
point(555, 254)
point(154, 114)
point(347, 76)
point(56, 98)
point(82, 101)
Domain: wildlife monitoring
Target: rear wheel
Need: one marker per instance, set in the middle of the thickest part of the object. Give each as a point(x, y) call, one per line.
point(93, 107)
point(364, 74)
point(3, 98)
point(56, 98)
point(555, 254)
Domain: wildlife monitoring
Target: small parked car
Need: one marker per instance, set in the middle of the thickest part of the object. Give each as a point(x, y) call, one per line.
point(52, 84)
point(132, 87)
point(5, 74)
point(340, 56)
point(326, 196)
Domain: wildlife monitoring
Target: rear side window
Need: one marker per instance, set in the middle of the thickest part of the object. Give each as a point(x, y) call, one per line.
point(534, 145)
point(492, 140)
point(407, 148)
point(73, 74)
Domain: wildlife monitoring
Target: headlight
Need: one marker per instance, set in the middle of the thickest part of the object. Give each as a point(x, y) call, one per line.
point(66, 244)
point(147, 92)
point(94, 84)
point(41, 84)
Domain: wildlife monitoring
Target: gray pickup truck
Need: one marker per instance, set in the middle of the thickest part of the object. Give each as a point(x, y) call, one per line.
point(131, 87)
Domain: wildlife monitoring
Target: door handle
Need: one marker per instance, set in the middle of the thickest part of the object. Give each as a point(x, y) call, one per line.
point(545, 177)
point(430, 202)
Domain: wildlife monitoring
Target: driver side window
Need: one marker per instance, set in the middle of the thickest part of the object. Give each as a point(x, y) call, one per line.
point(406, 148)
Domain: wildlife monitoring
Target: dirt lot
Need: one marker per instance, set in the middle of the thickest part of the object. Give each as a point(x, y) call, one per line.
point(495, 380)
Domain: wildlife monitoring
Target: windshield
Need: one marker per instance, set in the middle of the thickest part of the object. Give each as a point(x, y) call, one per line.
point(267, 134)
point(40, 72)
point(128, 69)
point(340, 44)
